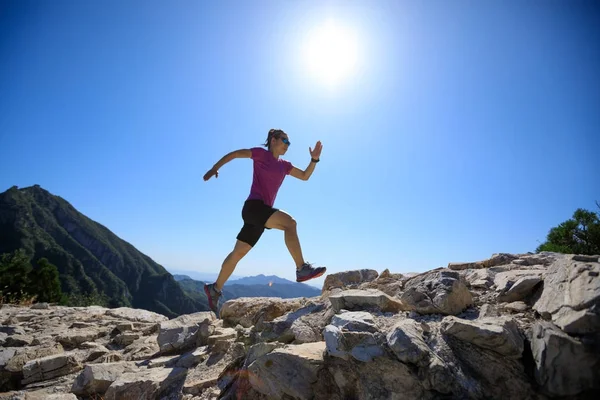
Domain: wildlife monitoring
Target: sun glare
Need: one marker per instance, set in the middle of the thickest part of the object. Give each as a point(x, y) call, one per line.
point(331, 53)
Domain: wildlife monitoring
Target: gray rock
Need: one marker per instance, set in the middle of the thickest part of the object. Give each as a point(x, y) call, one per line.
point(349, 278)
point(362, 346)
point(571, 296)
point(520, 289)
point(407, 343)
point(288, 371)
point(354, 299)
point(96, 378)
point(181, 333)
point(155, 383)
point(50, 367)
point(497, 334)
point(438, 292)
point(564, 365)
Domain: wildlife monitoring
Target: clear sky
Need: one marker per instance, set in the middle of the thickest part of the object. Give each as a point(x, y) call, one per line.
point(450, 130)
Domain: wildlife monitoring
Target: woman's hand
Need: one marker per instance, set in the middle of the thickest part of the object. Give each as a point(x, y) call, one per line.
point(316, 153)
point(210, 174)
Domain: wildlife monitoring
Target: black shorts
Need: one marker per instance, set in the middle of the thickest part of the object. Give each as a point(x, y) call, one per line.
point(255, 214)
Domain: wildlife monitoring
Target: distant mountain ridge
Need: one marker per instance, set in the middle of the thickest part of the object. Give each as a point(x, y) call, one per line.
point(269, 287)
point(263, 280)
point(246, 280)
point(89, 257)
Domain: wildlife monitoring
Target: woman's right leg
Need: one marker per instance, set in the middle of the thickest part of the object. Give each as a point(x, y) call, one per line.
point(239, 251)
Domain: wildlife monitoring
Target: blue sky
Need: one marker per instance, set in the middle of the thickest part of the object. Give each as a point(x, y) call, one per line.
point(462, 128)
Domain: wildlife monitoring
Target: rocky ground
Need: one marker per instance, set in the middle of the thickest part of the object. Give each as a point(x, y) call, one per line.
point(523, 326)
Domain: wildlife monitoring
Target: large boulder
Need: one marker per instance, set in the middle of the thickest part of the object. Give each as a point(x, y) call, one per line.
point(182, 332)
point(354, 335)
point(355, 299)
point(571, 295)
point(288, 372)
point(497, 334)
point(249, 311)
point(348, 278)
point(438, 292)
point(564, 365)
point(407, 342)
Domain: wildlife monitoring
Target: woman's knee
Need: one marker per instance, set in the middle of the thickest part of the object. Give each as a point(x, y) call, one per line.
point(240, 250)
point(290, 224)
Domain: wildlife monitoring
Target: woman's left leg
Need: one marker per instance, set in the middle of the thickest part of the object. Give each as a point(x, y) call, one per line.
point(283, 221)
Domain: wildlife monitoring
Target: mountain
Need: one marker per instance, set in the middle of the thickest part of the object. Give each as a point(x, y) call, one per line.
point(201, 276)
point(247, 280)
point(264, 280)
point(89, 257)
point(231, 291)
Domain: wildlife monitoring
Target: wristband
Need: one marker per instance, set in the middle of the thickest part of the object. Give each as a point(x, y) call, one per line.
point(315, 161)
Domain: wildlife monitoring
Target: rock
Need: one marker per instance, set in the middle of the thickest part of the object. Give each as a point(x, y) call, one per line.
point(355, 321)
point(495, 260)
point(571, 296)
point(136, 315)
point(504, 280)
point(17, 341)
point(37, 395)
point(96, 378)
point(439, 292)
point(256, 310)
point(458, 266)
point(193, 358)
point(363, 299)
point(125, 339)
point(75, 337)
point(383, 348)
point(181, 333)
point(383, 378)
point(360, 345)
point(291, 326)
point(407, 343)
point(585, 258)
point(348, 278)
point(222, 334)
point(150, 384)
point(498, 259)
point(487, 310)
point(480, 278)
point(40, 306)
point(49, 367)
point(564, 366)
point(521, 289)
point(288, 371)
point(516, 306)
point(25, 354)
point(496, 334)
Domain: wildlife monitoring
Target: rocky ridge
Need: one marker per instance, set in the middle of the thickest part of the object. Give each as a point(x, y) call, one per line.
point(514, 326)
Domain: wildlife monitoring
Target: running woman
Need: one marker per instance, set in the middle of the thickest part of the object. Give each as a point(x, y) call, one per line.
point(258, 212)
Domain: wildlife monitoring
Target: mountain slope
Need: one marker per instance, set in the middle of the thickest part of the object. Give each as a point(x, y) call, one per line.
point(89, 257)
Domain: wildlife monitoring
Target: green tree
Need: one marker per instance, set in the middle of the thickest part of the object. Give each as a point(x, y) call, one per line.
point(578, 235)
point(14, 275)
point(44, 282)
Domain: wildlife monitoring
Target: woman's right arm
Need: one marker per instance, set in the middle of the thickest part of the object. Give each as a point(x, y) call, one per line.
point(242, 153)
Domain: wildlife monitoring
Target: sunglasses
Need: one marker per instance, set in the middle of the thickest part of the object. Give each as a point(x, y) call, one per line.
point(285, 140)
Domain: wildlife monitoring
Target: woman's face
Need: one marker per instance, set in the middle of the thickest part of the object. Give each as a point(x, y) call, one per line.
point(280, 144)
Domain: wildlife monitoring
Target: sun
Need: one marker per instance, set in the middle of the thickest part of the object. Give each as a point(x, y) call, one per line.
point(331, 53)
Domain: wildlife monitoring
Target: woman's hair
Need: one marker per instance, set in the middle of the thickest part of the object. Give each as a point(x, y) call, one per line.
point(273, 133)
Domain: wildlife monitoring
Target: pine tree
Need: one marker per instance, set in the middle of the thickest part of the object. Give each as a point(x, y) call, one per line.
point(44, 282)
point(578, 235)
point(14, 275)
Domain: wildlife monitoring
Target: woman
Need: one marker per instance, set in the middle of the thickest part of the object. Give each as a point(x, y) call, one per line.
point(258, 212)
